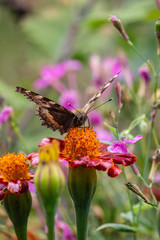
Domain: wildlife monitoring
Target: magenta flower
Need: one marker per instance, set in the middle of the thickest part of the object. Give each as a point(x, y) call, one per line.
point(120, 146)
point(5, 114)
point(69, 97)
point(66, 231)
point(50, 75)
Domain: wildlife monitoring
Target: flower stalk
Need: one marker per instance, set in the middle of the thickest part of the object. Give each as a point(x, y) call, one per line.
point(82, 185)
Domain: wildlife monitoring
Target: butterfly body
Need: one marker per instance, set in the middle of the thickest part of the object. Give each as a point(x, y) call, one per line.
point(57, 117)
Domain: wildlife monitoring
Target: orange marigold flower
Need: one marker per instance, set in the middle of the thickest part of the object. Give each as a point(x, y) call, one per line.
point(82, 148)
point(14, 173)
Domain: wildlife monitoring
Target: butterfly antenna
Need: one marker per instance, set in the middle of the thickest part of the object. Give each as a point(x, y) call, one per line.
point(74, 108)
point(100, 105)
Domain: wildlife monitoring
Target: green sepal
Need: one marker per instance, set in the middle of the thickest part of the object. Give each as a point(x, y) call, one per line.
point(82, 185)
point(18, 207)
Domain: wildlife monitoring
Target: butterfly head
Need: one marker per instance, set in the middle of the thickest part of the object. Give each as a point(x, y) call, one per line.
point(80, 117)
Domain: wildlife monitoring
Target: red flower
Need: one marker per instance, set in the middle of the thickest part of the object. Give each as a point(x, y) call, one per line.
point(82, 148)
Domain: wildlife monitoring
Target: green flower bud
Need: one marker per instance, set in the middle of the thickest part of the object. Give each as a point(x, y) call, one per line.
point(18, 207)
point(82, 185)
point(157, 32)
point(49, 181)
point(119, 26)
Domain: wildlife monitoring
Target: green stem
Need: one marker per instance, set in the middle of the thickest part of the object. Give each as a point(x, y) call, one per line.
point(142, 57)
point(155, 138)
point(148, 151)
point(81, 221)
point(131, 204)
point(129, 196)
point(50, 221)
point(21, 232)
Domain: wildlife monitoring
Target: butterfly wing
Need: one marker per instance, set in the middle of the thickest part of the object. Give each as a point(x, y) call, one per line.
point(93, 100)
point(52, 115)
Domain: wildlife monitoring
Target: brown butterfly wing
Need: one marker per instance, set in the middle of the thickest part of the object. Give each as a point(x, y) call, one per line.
point(93, 100)
point(52, 115)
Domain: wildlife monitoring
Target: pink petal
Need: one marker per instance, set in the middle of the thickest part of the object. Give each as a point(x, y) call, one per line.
point(137, 138)
point(34, 158)
point(15, 187)
point(117, 147)
point(48, 140)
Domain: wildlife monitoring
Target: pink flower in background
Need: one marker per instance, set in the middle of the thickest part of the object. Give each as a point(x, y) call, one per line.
point(120, 146)
point(50, 75)
point(72, 65)
point(5, 114)
point(95, 118)
point(69, 97)
point(158, 3)
point(66, 231)
point(102, 70)
point(104, 135)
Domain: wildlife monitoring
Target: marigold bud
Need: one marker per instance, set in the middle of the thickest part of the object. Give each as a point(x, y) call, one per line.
point(49, 181)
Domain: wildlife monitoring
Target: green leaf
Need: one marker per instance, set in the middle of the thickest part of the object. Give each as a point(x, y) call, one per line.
point(117, 227)
point(112, 129)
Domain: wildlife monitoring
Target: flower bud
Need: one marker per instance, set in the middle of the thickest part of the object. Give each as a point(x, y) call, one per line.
point(18, 207)
point(157, 32)
point(134, 188)
point(49, 181)
point(118, 25)
point(144, 74)
point(82, 185)
point(118, 93)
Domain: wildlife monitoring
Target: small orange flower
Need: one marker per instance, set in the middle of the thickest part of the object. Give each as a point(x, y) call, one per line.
point(80, 142)
point(14, 173)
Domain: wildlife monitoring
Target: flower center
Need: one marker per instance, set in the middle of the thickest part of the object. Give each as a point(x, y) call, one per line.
point(14, 167)
point(80, 142)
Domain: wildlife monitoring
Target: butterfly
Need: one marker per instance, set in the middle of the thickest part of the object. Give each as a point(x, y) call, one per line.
point(57, 117)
